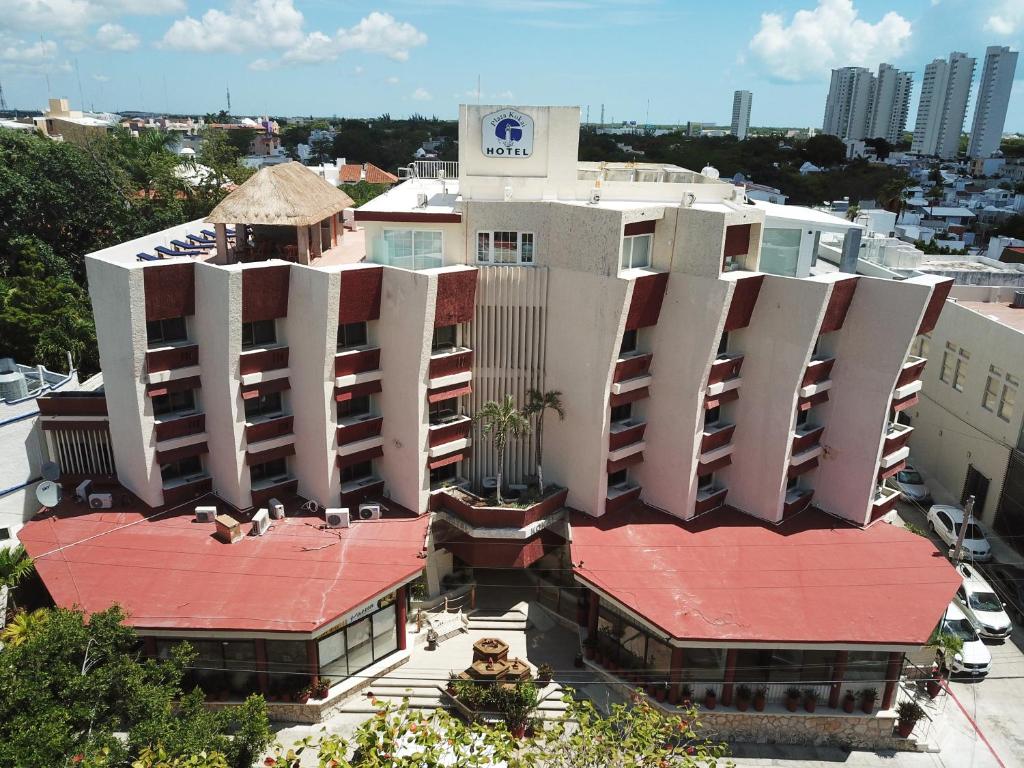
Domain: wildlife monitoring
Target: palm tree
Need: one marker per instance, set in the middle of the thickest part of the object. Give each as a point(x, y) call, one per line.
point(539, 403)
point(500, 422)
point(22, 626)
point(15, 566)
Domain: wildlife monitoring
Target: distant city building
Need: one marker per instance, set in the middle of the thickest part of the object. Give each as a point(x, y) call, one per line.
point(890, 104)
point(848, 105)
point(741, 113)
point(62, 123)
point(993, 98)
point(943, 106)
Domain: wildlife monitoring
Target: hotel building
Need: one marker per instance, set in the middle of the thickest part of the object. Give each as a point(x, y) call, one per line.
point(726, 431)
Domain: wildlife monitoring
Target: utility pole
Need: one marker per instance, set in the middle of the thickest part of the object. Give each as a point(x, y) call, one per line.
point(3, 101)
point(602, 114)
point(968, 511)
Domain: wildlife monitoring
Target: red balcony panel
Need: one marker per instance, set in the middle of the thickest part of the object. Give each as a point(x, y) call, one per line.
point(897, 441)
point(72, 405)
point(910, 373)
point(341, 394)
point(839, 301)
point(262, 388)
point(449, 458)
point(629, 397)
point(449, 364)
point(481, 553)
point(360, 430)
point(263, 360)
point(264, 292)
point(884, 508)
point(353, 499)
point(185, 452)
point(806, 403)
point(713, 438)
point(360, 457)
point(172, 358)
point(807, 440)
point(744, 299)
point(179, 494)
point(713, 501)
point(75, 425)
point(725, 368)
point(360, 294)
point(174, 385)
point(884, 474)
point(907, 402)
point(940, 292)
point(737, 240)
point(456, 295)
point(262, 457)
point(799, 504)
point(628, 461)
point(348, 363)
point(713, 401)
point(626, 436)
point(714, 466)
point(817, 371)
point(622, 501)
point(170, 290)
point(265, 430)
point(645, 303)
point(631, 367)
point(800, 469)
point(263, 495)
point(192, 424)
point(446, 433)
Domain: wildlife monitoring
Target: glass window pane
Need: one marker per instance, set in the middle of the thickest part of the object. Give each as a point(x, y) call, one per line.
point(641, 251)
point(780, 251)
point(627, 252)
point(867, 666)
point(483, 246)
point(360, 646)
point(705, 665)
point(817, 666)
point(526, 248)
point(385, 633)
point(1007, 404)
point(333, 658)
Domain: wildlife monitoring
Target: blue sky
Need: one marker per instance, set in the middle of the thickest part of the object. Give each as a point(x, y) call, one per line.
point(349, 57)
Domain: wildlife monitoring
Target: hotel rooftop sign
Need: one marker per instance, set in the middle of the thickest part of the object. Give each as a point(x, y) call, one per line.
point(507, 133)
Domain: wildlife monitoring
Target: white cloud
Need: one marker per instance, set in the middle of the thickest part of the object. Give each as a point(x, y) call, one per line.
point(313, 48)
point(829, 35)
point(381, 33)
point(1007, 17)
point(393, 80)
point(101, 78)
point(421, 94)
point(114, 37)
point(358, 70)
point(30, 58)
point(248, 25)
point(70, 16)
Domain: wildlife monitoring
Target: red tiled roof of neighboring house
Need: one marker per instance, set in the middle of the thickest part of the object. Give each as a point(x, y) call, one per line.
point(728, 576)
point(169, 572)
point(350, 173)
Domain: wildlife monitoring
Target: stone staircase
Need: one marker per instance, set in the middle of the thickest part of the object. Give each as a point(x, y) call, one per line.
point(511, 620)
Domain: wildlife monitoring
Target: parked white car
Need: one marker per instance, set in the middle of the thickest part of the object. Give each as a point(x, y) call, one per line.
point(945, 521)
point(910, 484)
point(975, 658)
point(980, 603)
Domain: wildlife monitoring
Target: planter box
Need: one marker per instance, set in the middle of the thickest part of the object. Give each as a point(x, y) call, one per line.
point(458, 503)
point(632, 366)
point(265, 430)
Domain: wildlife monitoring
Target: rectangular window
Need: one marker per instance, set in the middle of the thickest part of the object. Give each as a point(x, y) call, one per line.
point(636, 251)
point(166, 331)
point(184, 468)
point(618, 478)
point(174, 402)
point(355, 472)
point(621, 412)
point(264, 405)
point(444, 410)
point(960, 374)
point(413, 248)
point(505, 247)
point(628, 345)
point(712, 415)
point(948, 363)
point(444, 474)
point(993, 386)
point(1008, 399)
point(723, 343)
point(359, 405)
point(445, 338)
point(705, 482)
point(268, 470)
point(351, 335)
point(259, 333)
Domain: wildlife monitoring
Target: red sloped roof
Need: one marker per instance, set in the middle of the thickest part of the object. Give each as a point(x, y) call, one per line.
point(376, 175)
point(170, 572)
point(350, 173)
point(730, 577)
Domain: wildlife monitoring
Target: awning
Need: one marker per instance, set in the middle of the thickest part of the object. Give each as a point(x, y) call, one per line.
point(713, 401)
point(360, 456)
point(269, 455)
point(356, 390)
point(446, 393)
point(444, 461)
point(174, 385)
point(251, 391)
point(185, 452)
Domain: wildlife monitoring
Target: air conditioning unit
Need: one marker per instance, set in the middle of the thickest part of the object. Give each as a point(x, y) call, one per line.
point(336, 518)
point(101, 500)
point(260, 522)
point(595, 196)
point(206, 514)
point(83, 490)
point(369, 511)
point(276, 509)
point(490, 483)
point(421, 200)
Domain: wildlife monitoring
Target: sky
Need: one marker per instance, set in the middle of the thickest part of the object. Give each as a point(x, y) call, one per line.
point(666, 61)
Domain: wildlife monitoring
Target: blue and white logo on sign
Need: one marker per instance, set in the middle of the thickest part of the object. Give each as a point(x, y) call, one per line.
point(507, 133)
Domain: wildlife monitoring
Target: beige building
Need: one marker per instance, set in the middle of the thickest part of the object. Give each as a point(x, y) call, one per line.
point(62, 123)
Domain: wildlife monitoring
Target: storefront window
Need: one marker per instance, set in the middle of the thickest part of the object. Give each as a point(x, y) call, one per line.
point(706, 665)
point(817, 666)
point(360, 649)
point(350, 649)
point(752, 665)
point(385, 634)
point(287, 663)
point(867, 666)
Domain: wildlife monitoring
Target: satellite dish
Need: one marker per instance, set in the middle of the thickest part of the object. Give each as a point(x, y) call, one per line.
point(51, 471)
point(48, 494)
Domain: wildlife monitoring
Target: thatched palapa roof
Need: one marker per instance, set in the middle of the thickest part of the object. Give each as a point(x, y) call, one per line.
point(283, 195)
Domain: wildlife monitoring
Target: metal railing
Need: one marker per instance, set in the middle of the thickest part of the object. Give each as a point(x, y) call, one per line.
point(430, 169)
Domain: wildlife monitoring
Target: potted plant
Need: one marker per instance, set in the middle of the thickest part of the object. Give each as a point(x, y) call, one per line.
point(909, 713)
point(743, 697)
point(304, 694)
point(686, 695)
point(849, 702)
point(934, 684)
point(760, 699)
point(710, 698)
point(868, 697)
point(544, 673)
point(792, 698)
point(453, 678)
point(322, 688)
point(810, 699)
point(578, 661)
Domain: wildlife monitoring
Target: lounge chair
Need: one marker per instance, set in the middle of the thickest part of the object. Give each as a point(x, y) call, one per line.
point(168, 252)
point(146, 257)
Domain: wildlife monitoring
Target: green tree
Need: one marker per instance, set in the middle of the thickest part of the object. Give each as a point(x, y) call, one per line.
point(15, 566)
point(502, 421)
point(22, 626)
point(1012, 227)
point(77, 680)
point(824, 150)
point(538, 404)
point(363, 192)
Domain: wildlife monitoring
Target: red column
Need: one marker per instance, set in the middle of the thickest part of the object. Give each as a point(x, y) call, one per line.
point(676, 675)
point(730, 676)
point(149, 646)
point(313, 660)
point(261, 665)
point(595, 602)
point(838, 673)
point(892, 679)
point(400, 617)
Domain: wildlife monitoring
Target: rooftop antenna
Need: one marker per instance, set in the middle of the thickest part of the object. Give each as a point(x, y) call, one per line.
point(78, 75)
point(229, 99)
point(588, 114)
